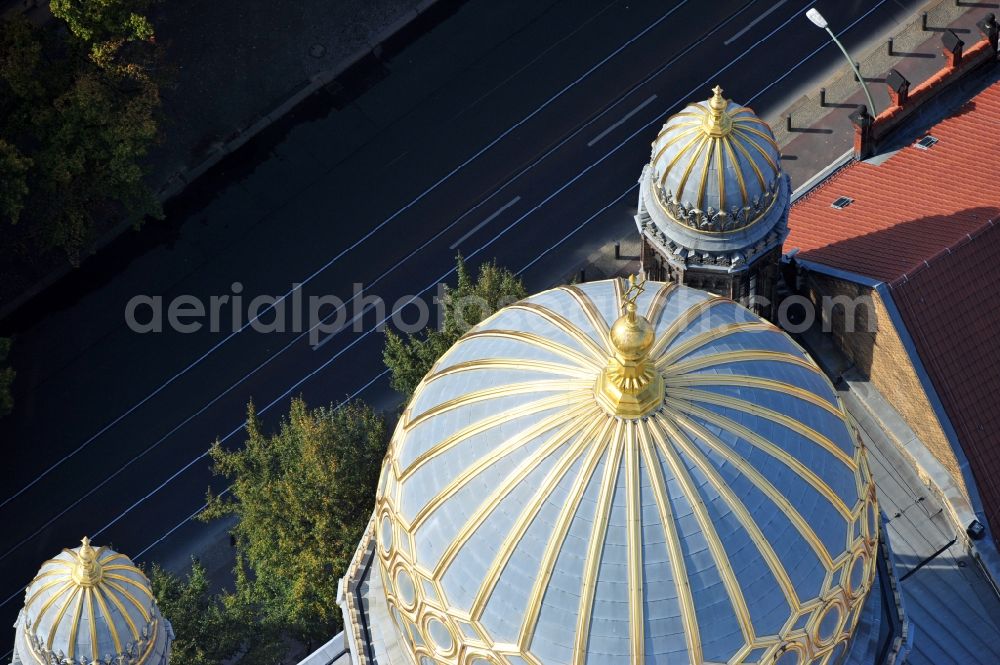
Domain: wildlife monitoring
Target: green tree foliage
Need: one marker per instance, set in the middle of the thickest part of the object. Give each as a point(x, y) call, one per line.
point(6, 379)
point(97, 21)
point(303, 496)
point(466, 304)
point(14, 169)
point(207, 626)
point(77, 116)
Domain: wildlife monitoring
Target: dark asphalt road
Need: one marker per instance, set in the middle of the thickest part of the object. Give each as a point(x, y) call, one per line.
point(513, 130)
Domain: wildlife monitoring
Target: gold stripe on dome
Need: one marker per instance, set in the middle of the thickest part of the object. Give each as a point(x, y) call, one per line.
point(74, 622)
point(633, 522)
point(92, 622)
point(715, 547)
point(659, 301)
point(694, 132)
point(553, 546)
point(122, 591)
point(725, 357)
point(531, 408)
point(565, 325)
point(739, 510)
point(589, 309)
point(761, 180)
point(588, 585)
point(458, 482)
point(541, 366)
point(737, 171)
point(566, 433)
point(487, 394)
point(689, 617)
point(579, 430)
point(701, 339)
point(572, 438)
point(701, 380)
point(684, 319)
point(764, 485)
point(112, 627)
point(754, 439)
point(535, 340)
point(780, 418)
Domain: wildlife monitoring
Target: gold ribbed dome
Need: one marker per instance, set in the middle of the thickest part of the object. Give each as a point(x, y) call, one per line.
point(715, 166)
point(92, 606)
point(522, 517)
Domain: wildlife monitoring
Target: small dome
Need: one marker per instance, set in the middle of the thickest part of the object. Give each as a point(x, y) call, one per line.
point(522, 516)
point(91, 605)
point(715, 166)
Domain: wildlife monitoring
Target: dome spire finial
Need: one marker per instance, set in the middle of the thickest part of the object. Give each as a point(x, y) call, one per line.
point(630, 386)
point(717, 121)
point(87, 570)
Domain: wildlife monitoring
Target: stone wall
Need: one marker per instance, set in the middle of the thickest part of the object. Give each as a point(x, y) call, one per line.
point(878, 353)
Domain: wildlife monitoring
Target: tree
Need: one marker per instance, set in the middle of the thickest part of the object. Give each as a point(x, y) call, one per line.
point(303, 496)
point(6, 379)
point(207, 626)
point(465, 305)
point(99, 22)
point(14, 169)
point(77, 117)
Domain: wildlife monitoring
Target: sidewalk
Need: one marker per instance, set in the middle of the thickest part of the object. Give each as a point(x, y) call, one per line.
point(822, 133)
point(228, 81)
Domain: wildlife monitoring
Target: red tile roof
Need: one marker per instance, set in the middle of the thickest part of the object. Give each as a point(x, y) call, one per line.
point(913, 205)
point(922, 222)
point(951, 309)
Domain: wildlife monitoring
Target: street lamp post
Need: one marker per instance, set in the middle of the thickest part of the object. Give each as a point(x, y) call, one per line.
point(820, 22)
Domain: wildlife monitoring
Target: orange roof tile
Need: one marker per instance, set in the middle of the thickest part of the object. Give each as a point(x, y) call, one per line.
point(923, 223)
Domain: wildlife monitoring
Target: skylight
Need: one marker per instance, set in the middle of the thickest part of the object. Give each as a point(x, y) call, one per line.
point(926, 142)
point(842, 202)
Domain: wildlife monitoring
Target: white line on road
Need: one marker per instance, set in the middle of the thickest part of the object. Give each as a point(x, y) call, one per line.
point(333, 333)
point(618, 124)
point(491, 241)
point(754, 22)
point(485, 222)
point(346, 251)
point(414, 252)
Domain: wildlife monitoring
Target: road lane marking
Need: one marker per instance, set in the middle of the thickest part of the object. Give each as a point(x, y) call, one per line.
point(621, 122)
point(347, 250)
point(445, 276)
point(486, 221)
point(753, 23)
point(477, 251)
point(333, 333)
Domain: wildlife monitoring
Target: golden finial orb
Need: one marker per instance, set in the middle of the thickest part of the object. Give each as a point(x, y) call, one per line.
point(630, 386)
point(87, 571)
point(717, 122)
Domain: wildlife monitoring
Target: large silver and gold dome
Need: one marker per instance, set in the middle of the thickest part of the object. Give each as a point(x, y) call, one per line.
point(602, 474)
point(90, 606)
point(714, 185)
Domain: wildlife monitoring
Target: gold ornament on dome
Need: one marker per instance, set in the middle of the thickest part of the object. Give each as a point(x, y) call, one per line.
point(630, 386)
point(602, 453)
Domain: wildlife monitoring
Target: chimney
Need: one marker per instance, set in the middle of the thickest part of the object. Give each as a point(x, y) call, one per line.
point(863, 144)
point(899, 87)
point(952, 47)
point(990, 29)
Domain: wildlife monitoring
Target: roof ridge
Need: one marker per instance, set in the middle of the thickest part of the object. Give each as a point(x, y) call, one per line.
point(943, 252)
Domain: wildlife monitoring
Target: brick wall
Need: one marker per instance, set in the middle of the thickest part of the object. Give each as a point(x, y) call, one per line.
point(878, 352)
